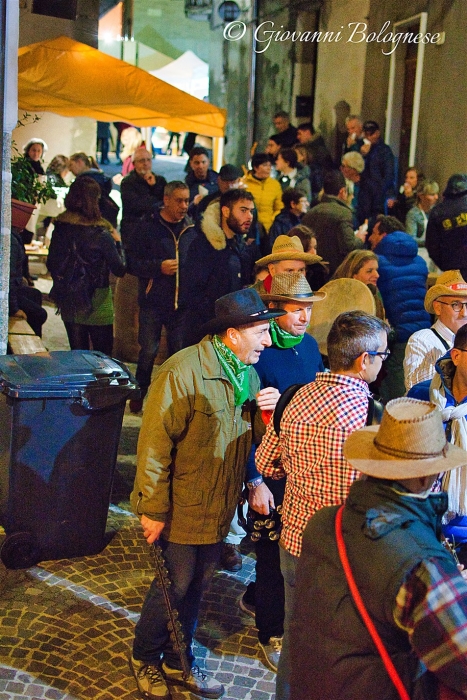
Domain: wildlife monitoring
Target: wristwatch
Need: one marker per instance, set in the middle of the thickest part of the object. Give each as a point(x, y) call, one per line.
point(254, 483)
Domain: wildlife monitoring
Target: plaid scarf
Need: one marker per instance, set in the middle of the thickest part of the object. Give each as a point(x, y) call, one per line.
point(236, 371)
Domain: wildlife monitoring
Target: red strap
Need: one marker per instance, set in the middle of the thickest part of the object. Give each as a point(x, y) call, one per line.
point(390, 668)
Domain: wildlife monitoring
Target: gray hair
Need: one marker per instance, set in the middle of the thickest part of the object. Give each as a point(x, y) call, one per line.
point(351, 334)
point(354, 160)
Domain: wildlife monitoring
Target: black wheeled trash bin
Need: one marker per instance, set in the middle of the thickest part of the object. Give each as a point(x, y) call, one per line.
point(61, 417)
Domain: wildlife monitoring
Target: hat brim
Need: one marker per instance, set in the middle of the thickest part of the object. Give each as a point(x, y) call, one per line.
point(308, 258)
point(216, 325)
point(303, 299)
point(440, 290)
point(363, 455)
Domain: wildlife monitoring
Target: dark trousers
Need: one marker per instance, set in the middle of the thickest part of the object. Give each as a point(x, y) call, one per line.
point(190, 568)
point(30, 301)
point(269, 587)
point(150, 328)
point(81, 336)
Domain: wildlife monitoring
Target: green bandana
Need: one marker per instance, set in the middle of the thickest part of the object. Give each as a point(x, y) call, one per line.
point(236, 371)
point(282, 339)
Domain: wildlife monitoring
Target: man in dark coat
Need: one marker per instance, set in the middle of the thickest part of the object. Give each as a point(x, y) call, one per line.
point(332, 222)
point(286, 135)
point(377, 183)
point(446, 233)
point(200, 174)
point(408, 581)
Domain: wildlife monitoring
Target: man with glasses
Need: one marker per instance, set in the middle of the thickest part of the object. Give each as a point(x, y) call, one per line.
point(314, 426)
point(448, 390)
point(141, 190)
point(447, 300)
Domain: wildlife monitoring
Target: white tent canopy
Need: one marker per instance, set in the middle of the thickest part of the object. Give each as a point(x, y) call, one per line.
point(188, 73)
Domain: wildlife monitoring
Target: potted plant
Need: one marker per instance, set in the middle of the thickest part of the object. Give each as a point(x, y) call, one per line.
point(27, 188)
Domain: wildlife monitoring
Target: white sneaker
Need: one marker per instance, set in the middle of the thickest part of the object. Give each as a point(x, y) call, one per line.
point(271, 652)
point(149, 679)
point(197, 682)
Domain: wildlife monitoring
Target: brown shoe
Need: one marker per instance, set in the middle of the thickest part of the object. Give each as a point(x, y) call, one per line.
point(231, 559)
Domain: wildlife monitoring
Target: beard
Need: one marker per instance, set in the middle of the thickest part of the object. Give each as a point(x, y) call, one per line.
point(234, 225)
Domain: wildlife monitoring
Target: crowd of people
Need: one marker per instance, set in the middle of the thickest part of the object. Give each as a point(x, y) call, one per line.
point(231, 264)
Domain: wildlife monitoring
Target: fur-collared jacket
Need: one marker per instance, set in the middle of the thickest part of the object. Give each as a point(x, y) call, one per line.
point(218, 265)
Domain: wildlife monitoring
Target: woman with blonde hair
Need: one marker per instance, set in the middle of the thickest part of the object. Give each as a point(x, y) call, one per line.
point(362, 265)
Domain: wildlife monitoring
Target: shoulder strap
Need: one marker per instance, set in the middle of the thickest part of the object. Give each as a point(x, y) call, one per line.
point(284, 400)
point(444, 342)
point(390, 668)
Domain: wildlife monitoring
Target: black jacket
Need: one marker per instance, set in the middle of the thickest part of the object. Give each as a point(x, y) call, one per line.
point(210, 183)
point(376, 181)
point(446, 233)
point(94, 244)
point(138, 197)
point(147, 248)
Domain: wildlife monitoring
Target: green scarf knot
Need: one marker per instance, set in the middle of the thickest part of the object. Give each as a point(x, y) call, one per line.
point(282, 339)
point(235, 369)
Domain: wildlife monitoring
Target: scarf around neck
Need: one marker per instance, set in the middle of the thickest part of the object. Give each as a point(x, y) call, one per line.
point(235, 369)
point(281, 338)
point(454, 481)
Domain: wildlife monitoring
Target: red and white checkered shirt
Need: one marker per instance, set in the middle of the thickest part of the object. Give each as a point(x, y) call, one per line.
point(314, 426)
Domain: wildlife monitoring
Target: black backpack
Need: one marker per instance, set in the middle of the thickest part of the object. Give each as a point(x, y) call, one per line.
point(375, 408)
point(73, 286)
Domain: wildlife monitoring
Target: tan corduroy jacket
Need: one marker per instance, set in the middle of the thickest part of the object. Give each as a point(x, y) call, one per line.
point(193, 447)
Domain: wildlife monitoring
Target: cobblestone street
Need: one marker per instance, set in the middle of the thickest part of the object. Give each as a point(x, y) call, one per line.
point(67, 625)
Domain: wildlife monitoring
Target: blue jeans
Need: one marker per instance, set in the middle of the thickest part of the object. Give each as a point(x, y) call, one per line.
point(190, 568)
point(149, 336)
point(288, 568)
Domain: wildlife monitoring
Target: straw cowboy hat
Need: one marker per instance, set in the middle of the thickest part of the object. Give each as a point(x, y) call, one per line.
point(288, 248)
point(409, 443)
point(449, 284)
point(292, 286)
point(342, 295)
point(239, 309)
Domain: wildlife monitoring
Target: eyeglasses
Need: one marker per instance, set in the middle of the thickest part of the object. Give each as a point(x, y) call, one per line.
point(455, 305)
point(383, 355)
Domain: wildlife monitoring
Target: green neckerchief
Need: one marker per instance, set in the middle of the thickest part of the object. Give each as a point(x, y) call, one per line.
point(282, 339)
point(235, 370)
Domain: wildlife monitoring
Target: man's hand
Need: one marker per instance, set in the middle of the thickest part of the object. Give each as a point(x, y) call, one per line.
point(197, 198)
point(151, 528)
point(365, 149)
point(169, 267)
point(115, 235)
point(150, 178)
point(266, 399)
point(261, 499)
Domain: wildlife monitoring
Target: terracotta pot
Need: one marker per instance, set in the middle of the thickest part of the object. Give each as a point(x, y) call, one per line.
point(20, 213)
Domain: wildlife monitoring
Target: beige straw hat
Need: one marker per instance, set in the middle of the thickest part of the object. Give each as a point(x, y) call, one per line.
point(342, 295)
point(409, 443)
point(292, 286)
point(450, 283)
point(288, 248)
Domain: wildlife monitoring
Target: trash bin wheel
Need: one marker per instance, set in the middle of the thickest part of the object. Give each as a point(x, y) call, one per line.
point(20, 551)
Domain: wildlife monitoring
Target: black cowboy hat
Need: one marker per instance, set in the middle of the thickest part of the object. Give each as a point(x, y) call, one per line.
point(239, 309)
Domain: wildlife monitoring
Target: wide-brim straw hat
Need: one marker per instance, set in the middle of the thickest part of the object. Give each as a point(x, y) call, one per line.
point(409, 443)
point(288, 248)
point(449, 284)
point(292, 286)
point(343, 294)
point(239, 309)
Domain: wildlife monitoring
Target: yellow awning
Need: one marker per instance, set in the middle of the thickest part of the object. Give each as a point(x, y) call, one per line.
point(75, 80)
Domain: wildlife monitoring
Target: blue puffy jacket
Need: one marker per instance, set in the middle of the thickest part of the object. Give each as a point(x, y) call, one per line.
point(402, 283)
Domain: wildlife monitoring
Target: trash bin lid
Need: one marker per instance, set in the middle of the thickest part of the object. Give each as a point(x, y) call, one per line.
point(64, 373)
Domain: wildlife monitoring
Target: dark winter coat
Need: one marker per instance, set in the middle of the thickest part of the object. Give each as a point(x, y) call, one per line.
point(210, 183)
point(377, 181)
point(446, 233)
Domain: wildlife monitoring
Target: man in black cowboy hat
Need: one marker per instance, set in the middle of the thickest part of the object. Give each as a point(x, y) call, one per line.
point(408, 582)
point(192, 450)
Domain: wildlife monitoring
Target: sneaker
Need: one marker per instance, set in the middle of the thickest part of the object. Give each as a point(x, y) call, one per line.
point(136, 405)
point(149, 679)
point(231, 559)
point(247, 608)
point(271, 652)
point(197, 682)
